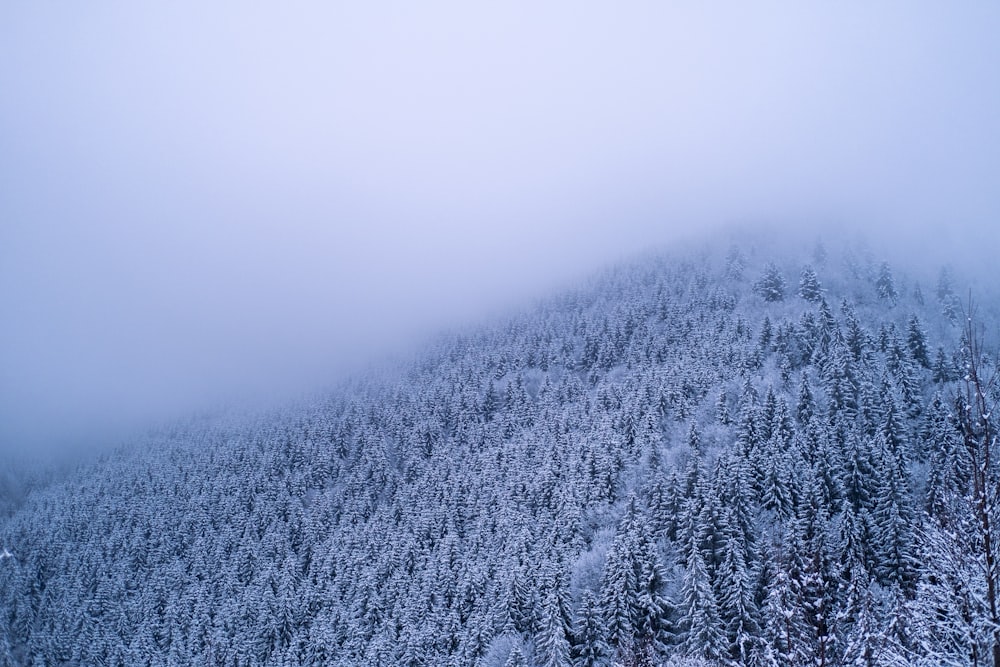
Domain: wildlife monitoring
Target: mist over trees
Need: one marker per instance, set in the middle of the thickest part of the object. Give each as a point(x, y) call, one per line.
point(723, 456)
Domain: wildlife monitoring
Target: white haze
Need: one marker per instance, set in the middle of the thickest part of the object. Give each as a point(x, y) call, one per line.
point(201, 198)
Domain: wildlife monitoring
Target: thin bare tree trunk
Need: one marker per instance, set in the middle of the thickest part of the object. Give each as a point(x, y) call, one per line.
point(974, 418)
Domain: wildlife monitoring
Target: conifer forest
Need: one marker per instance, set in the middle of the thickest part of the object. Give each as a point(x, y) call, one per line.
point(720, 455)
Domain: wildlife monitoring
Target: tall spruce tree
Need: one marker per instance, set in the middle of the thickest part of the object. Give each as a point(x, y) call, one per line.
point(809, 286)
point(771, 285)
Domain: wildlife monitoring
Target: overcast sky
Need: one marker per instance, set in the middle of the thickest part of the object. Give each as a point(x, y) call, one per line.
point(195, 196)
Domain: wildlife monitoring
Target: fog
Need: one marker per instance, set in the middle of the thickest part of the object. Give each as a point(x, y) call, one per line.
point(205, 199)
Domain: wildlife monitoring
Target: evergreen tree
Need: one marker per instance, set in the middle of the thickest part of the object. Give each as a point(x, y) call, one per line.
point(589, 648)
point(816, 602)
point(522, 605)
point(776, 487)
point(860, 478)
point(806, 406)
point(809, 287)
point(893, 523)
point(946, 475)
point(865, 641)
point(516, 658)
point(946, 296)
point(893, 429)
point(819, 254)
point(916, 341)
point(734, 485)
point(552, 644)
point(737, 609)
point(942, 368)
point(853, 534)
point(722, 409)
point(704, 635)
point(766, 335)
point(735, 263)
point(655, 611)
point(885, 286)
point(771, 285)
point(619, 599)
point(782, 621)
point(782, 429)
point(748, 435)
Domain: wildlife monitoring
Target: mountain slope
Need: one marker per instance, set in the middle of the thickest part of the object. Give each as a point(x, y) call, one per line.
point(714, 456)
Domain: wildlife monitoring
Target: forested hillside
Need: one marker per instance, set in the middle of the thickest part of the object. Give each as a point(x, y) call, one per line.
point(713, 457)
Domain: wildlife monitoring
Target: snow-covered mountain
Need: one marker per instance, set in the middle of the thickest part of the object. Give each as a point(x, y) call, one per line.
point(708, 457)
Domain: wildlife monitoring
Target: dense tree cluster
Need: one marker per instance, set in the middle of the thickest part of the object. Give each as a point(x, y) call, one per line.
point(667, 466)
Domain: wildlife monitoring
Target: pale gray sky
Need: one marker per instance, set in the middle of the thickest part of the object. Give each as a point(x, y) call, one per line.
point(194, 195)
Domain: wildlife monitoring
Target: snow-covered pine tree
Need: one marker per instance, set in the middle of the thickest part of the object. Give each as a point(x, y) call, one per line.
point(552, 647)
point(885, 286)
point(771, 285)
point(702, 628)
point(734, 592)
point(809, 286)
point(916, 341)
point(589, 648)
